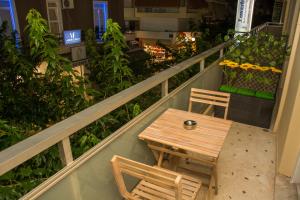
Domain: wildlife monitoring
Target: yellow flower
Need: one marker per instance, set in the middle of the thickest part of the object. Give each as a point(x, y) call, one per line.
point(229, 63)
point(275, 70)
point(232, 65)
point(264, 68)
point(225, 62)
point(259, 68)
point(246, 66)
point(256, 67)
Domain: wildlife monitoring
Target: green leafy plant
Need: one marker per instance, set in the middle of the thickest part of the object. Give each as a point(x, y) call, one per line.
point(109, 74)
point(22, 179)
point(263, 49)
point(28, 96)
point(248, 77)
point(31, 101)
point(264, 80)
point(109, 68)
point(230, 76)
point(59, 75)
point(114, 58)
point(259, 58)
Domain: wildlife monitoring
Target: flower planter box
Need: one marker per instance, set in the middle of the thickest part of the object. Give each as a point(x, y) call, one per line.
point(249, 110)
point(251, 72)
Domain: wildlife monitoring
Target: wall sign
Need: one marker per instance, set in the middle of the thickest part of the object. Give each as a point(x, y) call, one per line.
point(244, 15)
point(72, 37)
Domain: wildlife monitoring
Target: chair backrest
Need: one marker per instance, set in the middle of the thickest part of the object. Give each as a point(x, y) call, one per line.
point(213, 98)
point(157, 176)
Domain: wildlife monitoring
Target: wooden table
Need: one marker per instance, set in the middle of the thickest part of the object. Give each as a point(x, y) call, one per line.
point(206, 139)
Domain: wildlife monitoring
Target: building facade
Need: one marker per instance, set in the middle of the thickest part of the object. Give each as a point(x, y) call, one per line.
point(63, 14)
point(162, 20)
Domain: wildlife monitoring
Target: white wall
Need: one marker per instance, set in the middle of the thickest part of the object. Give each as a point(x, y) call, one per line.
point(158, 24)
point(289, 128)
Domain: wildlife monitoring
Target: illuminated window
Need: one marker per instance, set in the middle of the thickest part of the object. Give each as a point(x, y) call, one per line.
point(100, 18)
point(7, 13)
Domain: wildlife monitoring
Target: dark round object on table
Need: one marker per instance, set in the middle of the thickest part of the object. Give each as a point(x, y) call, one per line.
point(189, 124)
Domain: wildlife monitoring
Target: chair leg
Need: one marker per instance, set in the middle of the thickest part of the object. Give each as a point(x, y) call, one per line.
point(174, 163)
point(208, 196)
point(160, 159)
point(215, 175)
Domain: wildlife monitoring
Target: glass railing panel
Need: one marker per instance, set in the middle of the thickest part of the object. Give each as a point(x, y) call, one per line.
point(94, 179)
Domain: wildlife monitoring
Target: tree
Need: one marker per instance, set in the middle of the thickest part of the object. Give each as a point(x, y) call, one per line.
point(109, 69)
point(28, 96)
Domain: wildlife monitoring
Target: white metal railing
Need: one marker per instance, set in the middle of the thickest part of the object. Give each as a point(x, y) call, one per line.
point(60, 132)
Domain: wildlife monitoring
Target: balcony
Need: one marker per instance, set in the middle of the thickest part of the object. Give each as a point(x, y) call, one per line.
point(246, 165)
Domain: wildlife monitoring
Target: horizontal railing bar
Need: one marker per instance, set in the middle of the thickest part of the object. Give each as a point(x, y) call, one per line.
point(28, 148)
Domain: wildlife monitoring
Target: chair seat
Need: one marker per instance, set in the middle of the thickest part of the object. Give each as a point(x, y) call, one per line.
point(148, 191)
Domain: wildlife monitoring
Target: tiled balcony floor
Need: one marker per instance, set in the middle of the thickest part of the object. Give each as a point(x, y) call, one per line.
point(284, 190)
point(246, 166)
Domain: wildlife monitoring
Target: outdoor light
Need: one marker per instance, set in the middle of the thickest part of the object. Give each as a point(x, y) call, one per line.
point(193, 39)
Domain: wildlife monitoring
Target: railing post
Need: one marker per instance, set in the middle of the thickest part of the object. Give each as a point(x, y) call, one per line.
point(221, 53)
point(65, 151)
point(165, 88)
point(202, 65)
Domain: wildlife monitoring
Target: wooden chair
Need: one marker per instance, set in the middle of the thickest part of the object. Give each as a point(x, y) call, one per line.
point(213, 98)
point(211, 163)
point(155, 183)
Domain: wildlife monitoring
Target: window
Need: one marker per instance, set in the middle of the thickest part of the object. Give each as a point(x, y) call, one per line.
point(8, 13)
point(100, 18)
point(54, 17)
point(157, 10)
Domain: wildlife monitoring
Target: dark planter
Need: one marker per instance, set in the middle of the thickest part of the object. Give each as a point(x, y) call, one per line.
point(249, 110)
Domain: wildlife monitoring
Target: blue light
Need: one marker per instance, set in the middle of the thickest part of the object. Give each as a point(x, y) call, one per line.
point(104, 7)
point(102, 16)
point(12, 16)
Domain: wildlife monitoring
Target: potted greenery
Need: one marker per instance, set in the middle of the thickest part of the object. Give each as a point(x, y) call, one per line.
point(251, 73)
